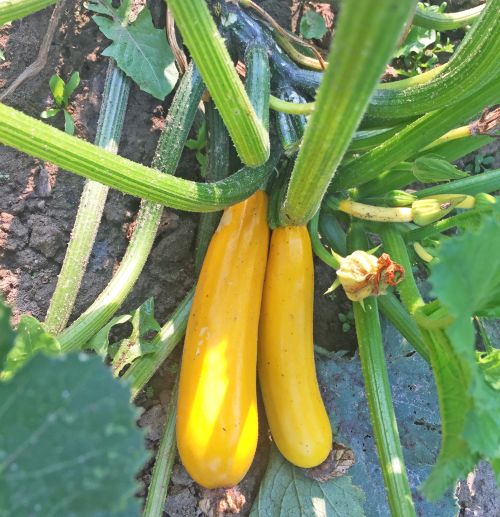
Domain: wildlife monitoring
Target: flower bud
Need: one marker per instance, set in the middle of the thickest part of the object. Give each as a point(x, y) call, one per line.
point(483, 200)
point(427, 210)
point(363, 275)
point(399, 198)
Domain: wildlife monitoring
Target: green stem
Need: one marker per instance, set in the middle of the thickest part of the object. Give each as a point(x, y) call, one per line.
point(217, 168)
point(318, 248)
point(164, 463)
point(364, 40)
point(11, 10)
point(216, 67)
point(394, 244)
point(68, 152)
point(446, 21)
point(363, 140)
point(88, 217)
point(378, 393)
point(411, 139)
point(169, 150)
point(485, 182)
point(474, 63)
point(471, 216)
point(143, 368)
point(455, 149)
point(292, 108)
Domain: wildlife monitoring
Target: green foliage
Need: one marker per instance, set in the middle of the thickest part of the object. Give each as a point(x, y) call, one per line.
point(480, 163)
point(7, 335)
point(421, 47)
point(140, 50)
point(68, 441)
point(61, 92)
point(30, 339)
point(467, 283)
point(140, 341)
point(432, 169)
point(199, 145)
point(286, 491)
point(312, 25)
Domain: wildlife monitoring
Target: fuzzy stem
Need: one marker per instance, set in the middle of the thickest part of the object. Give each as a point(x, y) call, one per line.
point(88, 217)
point(378, 393)
point(363, 44)
point(216, 67)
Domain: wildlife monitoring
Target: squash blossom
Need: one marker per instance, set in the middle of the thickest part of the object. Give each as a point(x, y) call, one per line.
point(362, 275)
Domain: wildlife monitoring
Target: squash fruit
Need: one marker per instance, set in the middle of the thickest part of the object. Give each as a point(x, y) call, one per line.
point(287, 374)
point(217, 424)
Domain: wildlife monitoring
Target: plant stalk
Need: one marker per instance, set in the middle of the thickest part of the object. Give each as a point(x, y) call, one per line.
point(88, 217)
point(446, 21)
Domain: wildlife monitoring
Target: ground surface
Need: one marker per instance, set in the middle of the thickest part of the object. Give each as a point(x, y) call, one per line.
point(38, 203)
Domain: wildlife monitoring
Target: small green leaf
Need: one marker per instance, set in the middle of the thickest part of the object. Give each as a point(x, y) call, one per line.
point(312, 25)
point(140, 342)
point(286, 492)
point(432, 169)
point(70, 87)
point(490, 366)
point(69, 445)
point(416, 42)
point(7, 335)
point(2, 55)
point(49, 113)
point(200, 142)
point(31, 338)
point(140, 50)
point(57, 88)
point(100, 342)
point(69, 125)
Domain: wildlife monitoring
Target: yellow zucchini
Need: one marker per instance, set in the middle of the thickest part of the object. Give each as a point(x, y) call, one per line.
point(217, 423)
point(287, 374)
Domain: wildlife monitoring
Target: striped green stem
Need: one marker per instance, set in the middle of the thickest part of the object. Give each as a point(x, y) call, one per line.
point(88, 217)
point(446, 21)
point(412, 138)
point(474, 63)
point(364, 40)
point(11, 10)
point(169, 150)
point(378, 393)
point(485, 182)
point(216, 67)
point(68, 152)
point(164, 463)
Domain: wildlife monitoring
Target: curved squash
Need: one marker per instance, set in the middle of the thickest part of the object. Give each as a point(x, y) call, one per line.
point(217, 424)
point(297, 417)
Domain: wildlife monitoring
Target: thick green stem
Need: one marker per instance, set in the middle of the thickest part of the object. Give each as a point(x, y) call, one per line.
point(378, 393)
point(446, 21)
point(488, 181)
point(47, 143)
point(216, 67)
point(364, 40)
point(11, 10)
point(412, 138)
point(169, 150)
point(474, 63)
point(164, 463)
point(88, 217)
point(217, 168)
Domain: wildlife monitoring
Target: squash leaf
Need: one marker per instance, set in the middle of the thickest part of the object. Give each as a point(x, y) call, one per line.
point(140, 50)
point(69, 444)
point(7, 335)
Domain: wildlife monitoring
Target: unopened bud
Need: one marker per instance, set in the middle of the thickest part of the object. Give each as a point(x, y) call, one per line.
point(399, 198)
point(428, 210)
point(363, 275)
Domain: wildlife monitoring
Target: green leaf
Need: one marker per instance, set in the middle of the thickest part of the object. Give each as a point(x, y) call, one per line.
point(30, 339)
point(200, 142)
point(140, 342)
point(416, 42)
point(69, 125)
point(140, 50)
point(286, 491)
point(57, 88)
point(100, 342)
point(490, 366)
point(70, 87)
point(49, 113)
point(432, 168)
point(2, 55)
point(69, 444)
point(312, 25)
point(7, 335)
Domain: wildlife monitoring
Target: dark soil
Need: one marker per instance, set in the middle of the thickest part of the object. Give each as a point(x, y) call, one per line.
point(38, 203)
